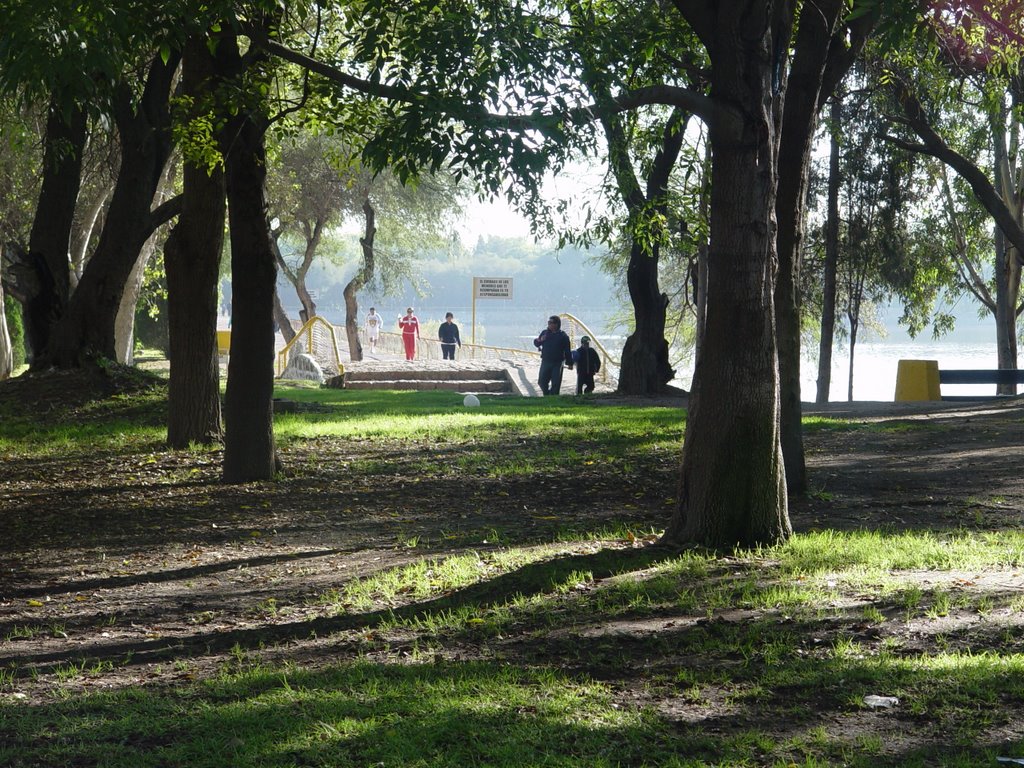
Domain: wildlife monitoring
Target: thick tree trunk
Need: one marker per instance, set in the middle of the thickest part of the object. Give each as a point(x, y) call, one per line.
point(249, 451)
point(46, 264)
point(87, 328)
point(831, 268)
point(192, 262)
point(732, 485)
point(361, 278)
point(645, 360)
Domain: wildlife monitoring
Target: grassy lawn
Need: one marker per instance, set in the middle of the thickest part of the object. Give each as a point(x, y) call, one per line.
point(434, 585)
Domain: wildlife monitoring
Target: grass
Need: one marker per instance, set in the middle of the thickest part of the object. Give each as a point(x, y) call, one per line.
point(488, 648)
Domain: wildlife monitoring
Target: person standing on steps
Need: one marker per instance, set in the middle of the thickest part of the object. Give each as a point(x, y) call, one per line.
point(410, 327)
point(555, 349)
point(448, 333)
point(588, 362)
point(373, 324)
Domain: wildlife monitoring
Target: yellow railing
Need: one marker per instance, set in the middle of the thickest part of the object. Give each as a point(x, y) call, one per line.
point(430, 349)
point(306, 335)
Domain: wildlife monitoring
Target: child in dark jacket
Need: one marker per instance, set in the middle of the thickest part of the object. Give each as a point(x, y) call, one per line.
point(587, 363)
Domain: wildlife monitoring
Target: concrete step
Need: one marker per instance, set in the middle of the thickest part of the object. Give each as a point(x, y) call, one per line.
point(455, 374)
point(458, 385)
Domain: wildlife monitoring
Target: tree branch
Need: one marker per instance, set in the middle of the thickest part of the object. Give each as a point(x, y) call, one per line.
point(164, 212)
point(668, 95)
point(968, 171)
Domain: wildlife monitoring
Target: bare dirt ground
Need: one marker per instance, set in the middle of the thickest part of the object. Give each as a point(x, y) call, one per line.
point(147, 562)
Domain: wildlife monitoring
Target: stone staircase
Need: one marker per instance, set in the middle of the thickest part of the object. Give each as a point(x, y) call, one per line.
point(492, 381)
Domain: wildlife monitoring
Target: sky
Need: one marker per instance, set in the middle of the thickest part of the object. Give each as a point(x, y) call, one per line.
point(578, 182)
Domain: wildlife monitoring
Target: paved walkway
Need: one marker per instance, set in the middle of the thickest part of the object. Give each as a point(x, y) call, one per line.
point(524, 372)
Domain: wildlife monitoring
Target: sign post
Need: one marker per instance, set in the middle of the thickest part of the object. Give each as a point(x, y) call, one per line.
point(489, 288)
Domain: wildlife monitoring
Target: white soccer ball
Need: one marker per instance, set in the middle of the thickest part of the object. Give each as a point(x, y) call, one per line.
point(471, 401)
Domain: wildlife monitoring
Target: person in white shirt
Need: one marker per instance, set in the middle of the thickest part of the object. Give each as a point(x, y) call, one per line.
point(373, 324)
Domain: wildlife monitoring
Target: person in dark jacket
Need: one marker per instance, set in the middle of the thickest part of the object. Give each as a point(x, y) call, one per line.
point(448, 333)
point(588, 362)
point(555, 349)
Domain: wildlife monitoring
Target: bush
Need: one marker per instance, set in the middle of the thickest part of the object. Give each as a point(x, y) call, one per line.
point(16, 329)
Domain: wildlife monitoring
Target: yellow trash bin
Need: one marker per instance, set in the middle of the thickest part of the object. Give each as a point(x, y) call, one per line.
point(223, 342)
point(917, 380)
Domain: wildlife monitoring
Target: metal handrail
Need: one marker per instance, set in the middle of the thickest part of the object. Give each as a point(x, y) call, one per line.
point(575, 321)
point(307, 330)
point(431, 348)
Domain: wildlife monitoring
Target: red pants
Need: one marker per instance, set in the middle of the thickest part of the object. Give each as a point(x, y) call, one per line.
point(410, 345)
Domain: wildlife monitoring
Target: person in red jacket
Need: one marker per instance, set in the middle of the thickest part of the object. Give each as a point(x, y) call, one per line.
point(410, 327)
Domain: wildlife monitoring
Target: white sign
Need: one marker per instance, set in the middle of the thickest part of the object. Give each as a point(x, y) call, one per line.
point(492, 287)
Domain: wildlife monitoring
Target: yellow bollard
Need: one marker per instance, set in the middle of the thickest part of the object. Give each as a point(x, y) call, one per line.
point(917, 380)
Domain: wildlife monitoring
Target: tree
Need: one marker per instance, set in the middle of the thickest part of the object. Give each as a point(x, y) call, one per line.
point(192, 260)
point(80, 58)
point(249, 449)
point(309, 198)
point(826, 45)
point(1001, 97)
point(732, 485)
point(87, 326)
point(831, 262)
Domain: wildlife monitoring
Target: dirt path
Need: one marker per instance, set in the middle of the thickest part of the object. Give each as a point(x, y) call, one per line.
point(132, 561)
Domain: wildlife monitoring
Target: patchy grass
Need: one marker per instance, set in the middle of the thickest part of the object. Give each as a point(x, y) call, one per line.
point(429, 585)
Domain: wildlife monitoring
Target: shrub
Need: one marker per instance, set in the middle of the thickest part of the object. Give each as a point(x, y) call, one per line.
point(16, 329)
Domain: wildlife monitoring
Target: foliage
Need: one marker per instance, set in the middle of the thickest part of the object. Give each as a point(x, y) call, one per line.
point(15, 329)
point(20, 154)
point(151, 320)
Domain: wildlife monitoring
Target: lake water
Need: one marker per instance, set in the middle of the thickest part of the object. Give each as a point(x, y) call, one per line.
point(874, 367)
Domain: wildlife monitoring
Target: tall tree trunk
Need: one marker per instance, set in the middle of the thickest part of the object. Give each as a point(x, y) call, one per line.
point(192, 262)
point(854, 317)
point(249, 451)
point(799, 121)
point(701, 294)
point(645, 366)
point(47, 260)
point(1007, 264)
point(87, 328)
point(361, 278)
point(825, 49)
point(828, 304)
point(732, 487)
point(1007, 295)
